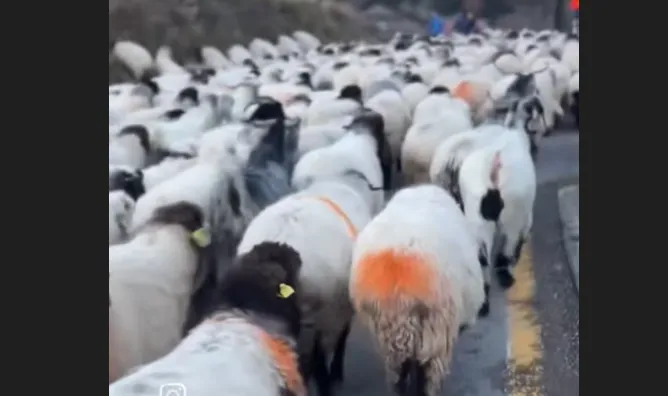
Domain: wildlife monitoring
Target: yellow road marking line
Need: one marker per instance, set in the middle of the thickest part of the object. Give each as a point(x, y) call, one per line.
point(525, 348)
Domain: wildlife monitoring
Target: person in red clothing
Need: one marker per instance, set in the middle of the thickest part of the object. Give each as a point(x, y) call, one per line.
point(575, 9)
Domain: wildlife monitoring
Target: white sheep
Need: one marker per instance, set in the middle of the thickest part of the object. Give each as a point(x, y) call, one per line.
point(250, 170)
point(130, 147)
point(246, 346)
point(262, 50)
point(151, 280)
point(436, 118)
point(415, 283)
point(238, 54)
point(213, 57)
point(288, 46)
point(350, 152)
point(339, 202)
point(323, 111)
point(134, 56)
point(210, 112)
point(414, 92)
point(128, 98)
point(396, 116)
point(491, 174)
point(306, 40)
point(571, 53)
point(165, 63)
point(165, 170)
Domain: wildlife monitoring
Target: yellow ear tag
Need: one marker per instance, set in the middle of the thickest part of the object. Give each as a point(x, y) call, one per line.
point(201, 237)
point(285, 291)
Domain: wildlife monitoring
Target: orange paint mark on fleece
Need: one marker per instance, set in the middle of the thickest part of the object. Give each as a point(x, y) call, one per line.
point(352, 230)
point(383, 275)
point(285, 360)
point(464, 91)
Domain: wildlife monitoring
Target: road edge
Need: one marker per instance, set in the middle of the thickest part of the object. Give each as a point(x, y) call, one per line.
point(569, 213)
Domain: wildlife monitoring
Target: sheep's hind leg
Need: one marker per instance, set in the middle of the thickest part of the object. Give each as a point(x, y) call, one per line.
point(320, 371)
point(502, 265)
point(507, 257)
point(412, 379)
point(484, 263)
point(336, 368)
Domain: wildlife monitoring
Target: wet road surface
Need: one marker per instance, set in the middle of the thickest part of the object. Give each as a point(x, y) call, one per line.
point(529, 344)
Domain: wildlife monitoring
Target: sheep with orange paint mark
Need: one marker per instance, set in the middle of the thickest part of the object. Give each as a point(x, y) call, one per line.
point(436, 117)
point(415, 283)
point(491, 174)
point(340, 193)
point(246, 346)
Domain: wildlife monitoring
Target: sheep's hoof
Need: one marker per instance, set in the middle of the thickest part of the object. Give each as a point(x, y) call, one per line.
point(484, 310)
point(336, 376)
point(506, 279)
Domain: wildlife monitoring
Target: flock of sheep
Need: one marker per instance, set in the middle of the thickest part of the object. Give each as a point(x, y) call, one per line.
point(249, 219)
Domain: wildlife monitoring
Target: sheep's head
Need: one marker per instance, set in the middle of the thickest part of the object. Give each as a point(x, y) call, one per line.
point(265, 282)
point(188, 97)
point(252, 66)
point(532, 112)
point(353, 92)
point(130, 181)
point(274, 150)
point(439, 89)
point(185, 214)
point(369, 121)
point(264, 109)
point(410, 78)
point(304, 79)
point(140, 132)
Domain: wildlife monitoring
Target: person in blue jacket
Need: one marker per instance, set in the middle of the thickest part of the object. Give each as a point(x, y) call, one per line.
point(468, 21)
point(435, 25)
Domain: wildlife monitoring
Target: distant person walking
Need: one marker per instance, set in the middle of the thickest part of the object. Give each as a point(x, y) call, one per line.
point(435, 25)
point(468, 21)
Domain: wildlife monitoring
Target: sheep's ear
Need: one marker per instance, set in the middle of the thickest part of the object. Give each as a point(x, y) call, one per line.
point(189, 94)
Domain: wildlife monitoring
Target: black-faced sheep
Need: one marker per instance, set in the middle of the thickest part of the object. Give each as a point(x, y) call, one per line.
point(245, 346)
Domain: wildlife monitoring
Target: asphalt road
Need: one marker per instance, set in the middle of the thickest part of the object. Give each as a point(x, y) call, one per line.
point(529, 344)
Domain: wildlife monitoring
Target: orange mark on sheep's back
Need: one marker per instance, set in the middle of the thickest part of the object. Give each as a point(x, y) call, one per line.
point(383, 275)
point(464, 91)
point(285, 360)
point(352, 230)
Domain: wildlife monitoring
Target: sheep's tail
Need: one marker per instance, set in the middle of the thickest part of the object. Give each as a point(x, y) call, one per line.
point(411, 314)
point(491, 203)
